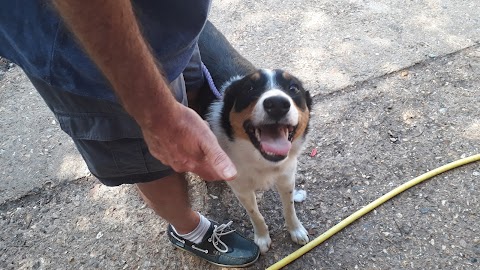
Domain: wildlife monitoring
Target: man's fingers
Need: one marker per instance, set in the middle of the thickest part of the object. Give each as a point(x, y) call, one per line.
point(202, 155)
point(203, 169)
point(206, 174)
point(223, 163)
point(215, 166)
point(220, 162)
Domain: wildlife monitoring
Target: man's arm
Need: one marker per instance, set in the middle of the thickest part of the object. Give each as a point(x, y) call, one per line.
point(108, 31)
point(175, 134)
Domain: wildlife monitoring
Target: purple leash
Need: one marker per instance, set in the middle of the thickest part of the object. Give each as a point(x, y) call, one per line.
point(210, 82)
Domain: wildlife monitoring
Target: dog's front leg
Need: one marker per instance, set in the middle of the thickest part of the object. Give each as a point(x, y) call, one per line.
point(285, 187)
point(249, 202)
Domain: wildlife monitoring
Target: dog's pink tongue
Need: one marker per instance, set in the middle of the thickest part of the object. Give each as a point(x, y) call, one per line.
point(275, 140)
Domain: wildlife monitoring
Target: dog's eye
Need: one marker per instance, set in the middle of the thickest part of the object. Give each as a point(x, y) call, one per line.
point(293, 88)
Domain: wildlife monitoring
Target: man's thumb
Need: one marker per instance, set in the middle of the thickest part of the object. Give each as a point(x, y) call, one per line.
point(222, 164)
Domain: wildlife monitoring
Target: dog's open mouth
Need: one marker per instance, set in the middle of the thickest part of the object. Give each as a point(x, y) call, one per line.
point(273, 140)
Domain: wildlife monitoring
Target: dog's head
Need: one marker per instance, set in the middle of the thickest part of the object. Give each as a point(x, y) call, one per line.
point(270, 108)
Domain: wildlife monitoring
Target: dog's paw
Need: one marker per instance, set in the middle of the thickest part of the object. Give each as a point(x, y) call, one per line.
point(299, 235)
point(263, 242)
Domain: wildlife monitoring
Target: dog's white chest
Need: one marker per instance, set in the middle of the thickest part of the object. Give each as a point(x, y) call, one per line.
point(254, 172)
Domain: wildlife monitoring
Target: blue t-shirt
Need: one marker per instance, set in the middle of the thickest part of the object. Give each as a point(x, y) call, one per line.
point(33, 36)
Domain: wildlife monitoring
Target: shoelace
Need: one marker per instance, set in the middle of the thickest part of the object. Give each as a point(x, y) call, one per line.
point(219, 231)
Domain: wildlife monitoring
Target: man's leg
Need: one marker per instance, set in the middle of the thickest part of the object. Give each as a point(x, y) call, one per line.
point(168, 197)
point(199, 94)
point(111, 144)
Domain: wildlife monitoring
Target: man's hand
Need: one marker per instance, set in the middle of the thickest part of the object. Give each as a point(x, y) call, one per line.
point(176, 135)
point(187, 144)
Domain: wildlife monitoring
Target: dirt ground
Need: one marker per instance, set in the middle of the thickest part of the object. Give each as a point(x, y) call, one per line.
point(396, 93)
point(371, 138)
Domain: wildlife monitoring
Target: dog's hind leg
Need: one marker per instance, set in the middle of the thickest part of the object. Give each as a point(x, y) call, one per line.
point(262, 237)
point(285, 186)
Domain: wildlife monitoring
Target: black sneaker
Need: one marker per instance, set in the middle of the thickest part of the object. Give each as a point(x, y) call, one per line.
point(221, 246)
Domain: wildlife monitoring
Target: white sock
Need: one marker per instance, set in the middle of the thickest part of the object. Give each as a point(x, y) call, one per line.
point(197, 235)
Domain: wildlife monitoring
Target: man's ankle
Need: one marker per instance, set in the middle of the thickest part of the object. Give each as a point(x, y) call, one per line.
point(188, 224)
point(198, 233)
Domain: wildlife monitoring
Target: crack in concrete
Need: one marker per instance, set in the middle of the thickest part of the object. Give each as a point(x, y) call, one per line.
point(35, 192)
point(342, 91)
point(348, 89)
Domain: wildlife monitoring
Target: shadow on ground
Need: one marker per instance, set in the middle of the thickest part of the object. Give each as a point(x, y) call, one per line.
point(372, 132)
point(370, 138)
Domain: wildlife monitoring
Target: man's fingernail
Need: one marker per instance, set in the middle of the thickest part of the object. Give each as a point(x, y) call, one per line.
point(229, 172)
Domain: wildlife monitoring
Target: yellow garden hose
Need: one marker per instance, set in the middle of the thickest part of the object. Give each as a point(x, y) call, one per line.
point(344, 223)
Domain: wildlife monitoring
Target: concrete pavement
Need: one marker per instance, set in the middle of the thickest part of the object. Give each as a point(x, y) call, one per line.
point(396, 93)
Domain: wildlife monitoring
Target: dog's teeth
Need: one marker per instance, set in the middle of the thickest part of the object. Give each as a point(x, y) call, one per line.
point(257, 134)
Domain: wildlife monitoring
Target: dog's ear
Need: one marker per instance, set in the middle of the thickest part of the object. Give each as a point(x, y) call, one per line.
point(308, 99)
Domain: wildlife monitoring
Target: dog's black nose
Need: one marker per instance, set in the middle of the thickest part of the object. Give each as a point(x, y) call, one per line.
point(276, 106)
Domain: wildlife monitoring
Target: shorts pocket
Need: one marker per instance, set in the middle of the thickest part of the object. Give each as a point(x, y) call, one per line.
point(98, 126)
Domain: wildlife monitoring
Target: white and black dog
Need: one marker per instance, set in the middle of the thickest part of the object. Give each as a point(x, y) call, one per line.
point(261, 123)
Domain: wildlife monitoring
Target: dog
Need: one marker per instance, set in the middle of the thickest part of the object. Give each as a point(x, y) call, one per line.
point(262, 125)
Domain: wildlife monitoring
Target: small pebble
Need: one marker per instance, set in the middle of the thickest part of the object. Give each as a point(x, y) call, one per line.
point(299, 195)
point(425, 210)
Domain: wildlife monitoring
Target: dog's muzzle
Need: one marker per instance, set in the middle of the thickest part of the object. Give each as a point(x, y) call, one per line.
point(276, 107)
